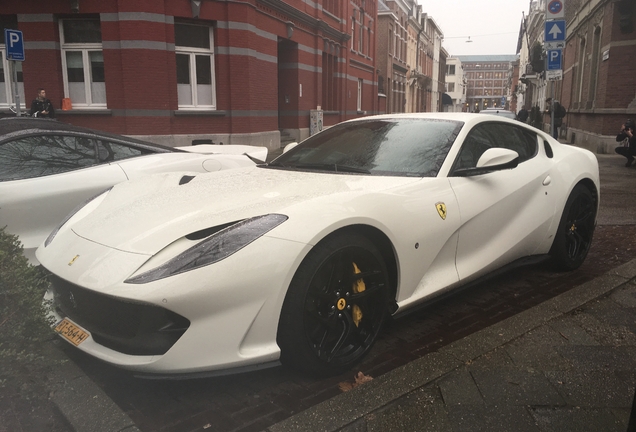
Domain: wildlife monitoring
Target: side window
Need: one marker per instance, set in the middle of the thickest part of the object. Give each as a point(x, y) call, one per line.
point(496, 135)
point(194, 49)
point(110, 151)
point(44, 155)
point(83, 62)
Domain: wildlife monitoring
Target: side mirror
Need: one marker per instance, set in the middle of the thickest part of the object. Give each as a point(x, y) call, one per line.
point(494, 159)
point(290, 146)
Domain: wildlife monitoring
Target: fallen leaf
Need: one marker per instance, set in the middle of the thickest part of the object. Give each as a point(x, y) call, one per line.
point(359, 379)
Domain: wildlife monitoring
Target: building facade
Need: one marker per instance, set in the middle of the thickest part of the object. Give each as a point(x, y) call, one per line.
point(174, 71)
point(455, 86)
point(393, 17)
point(599, 74)
point(598, 88)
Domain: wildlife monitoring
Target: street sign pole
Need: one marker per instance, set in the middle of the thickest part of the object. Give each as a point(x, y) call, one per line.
point(552, 95)
point(16, 95)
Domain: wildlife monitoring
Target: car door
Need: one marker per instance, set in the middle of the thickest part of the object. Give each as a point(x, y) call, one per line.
point(505, 214)
point(43, 178)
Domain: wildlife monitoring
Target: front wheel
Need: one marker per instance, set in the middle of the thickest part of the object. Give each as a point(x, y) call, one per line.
point(335, 306)
point(574, 235)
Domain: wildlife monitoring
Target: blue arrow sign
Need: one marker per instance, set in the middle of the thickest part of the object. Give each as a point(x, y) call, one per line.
point(554, 59)
point(14, 44)
point(554, 30)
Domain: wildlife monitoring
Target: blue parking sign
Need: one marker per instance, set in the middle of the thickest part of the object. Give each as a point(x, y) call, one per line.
point(15, 44)
point(554, 59)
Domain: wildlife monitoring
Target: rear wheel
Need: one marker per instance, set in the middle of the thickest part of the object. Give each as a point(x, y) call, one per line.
point(335, 306)
point(574, 236)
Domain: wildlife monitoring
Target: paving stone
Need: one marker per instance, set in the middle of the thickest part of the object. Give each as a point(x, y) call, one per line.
point(492, 361)
point(593, 389)
point(459, 388)
point(509, 386)
point(499, 418)
point(537, 356)
point(600, 357)
point(572, 333)
point(613, 314)
point(420, 411)
point(568, 419)
point(626, 295)
point(602, 332)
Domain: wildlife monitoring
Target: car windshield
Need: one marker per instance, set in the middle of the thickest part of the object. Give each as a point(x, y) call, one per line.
point(390, 147)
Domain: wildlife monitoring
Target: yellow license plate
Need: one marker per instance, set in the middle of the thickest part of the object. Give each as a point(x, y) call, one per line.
point(70, 331)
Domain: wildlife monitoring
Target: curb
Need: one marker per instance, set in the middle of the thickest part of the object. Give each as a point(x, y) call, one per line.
point(346, 408)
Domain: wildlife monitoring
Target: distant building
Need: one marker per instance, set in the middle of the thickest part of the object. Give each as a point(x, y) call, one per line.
point(488, 80)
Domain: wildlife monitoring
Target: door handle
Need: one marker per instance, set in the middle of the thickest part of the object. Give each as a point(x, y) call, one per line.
point(547, 181)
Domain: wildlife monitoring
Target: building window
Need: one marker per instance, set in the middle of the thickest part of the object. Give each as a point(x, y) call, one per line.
point(353, 31)
point(361, 35)
point(83, 62)
point(331, 6)
point(329, 82)
point(450, 70)
point(359, 105)
point(581, 69)
point(596, 54)
point(194, 49)
point(450, 87)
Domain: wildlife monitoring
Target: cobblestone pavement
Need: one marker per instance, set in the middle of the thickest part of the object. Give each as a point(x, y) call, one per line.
point(255, 401)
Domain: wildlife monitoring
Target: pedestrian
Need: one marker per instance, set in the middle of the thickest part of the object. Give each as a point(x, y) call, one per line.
point(626, 135)
point(559, 113)
point(522, 115)
point(41, 106)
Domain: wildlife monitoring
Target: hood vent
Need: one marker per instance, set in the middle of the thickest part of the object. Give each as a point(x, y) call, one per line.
point(207, 232)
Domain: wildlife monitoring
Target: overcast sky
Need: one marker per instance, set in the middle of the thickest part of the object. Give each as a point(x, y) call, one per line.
point(493, 25)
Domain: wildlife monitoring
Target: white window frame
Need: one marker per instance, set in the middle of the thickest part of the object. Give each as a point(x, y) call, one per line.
point(361, 31)
point(353, 31)
point(83, 48)
point(192, 52)
point(8, 82)
point(359, 105)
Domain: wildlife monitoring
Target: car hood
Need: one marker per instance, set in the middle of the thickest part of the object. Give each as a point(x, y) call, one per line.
point(146, 215)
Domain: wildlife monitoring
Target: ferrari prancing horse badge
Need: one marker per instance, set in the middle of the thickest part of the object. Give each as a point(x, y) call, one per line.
point(441, 209)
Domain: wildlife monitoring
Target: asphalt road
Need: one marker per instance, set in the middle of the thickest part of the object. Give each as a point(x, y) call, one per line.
point(254, 401)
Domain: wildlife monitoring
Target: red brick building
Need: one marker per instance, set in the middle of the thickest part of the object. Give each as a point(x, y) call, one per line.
point(171, 71)
point(599, 72)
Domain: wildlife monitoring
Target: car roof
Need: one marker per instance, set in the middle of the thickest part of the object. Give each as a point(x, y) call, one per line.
point(18, 126)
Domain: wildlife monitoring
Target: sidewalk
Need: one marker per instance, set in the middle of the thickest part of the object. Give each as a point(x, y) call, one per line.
point(567, 364)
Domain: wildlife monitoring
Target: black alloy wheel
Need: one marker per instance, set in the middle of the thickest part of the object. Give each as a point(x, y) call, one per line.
point(576, 229)
point(335, 306)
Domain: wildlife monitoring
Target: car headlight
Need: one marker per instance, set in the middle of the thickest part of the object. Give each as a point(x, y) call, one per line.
point(216, 247)
point(51, 236)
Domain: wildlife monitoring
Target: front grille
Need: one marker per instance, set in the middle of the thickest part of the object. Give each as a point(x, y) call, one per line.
point(124, 326)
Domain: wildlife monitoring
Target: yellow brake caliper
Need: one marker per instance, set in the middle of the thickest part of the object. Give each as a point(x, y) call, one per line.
point(358, 287)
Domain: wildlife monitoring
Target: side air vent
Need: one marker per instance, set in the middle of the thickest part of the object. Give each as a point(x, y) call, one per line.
point(185, 179)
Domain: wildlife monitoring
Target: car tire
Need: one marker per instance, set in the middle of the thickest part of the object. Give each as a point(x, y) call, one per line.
point(574, 235)
point(335, 306)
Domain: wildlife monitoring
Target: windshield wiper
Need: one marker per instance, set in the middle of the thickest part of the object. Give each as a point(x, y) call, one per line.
point(332, 167)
